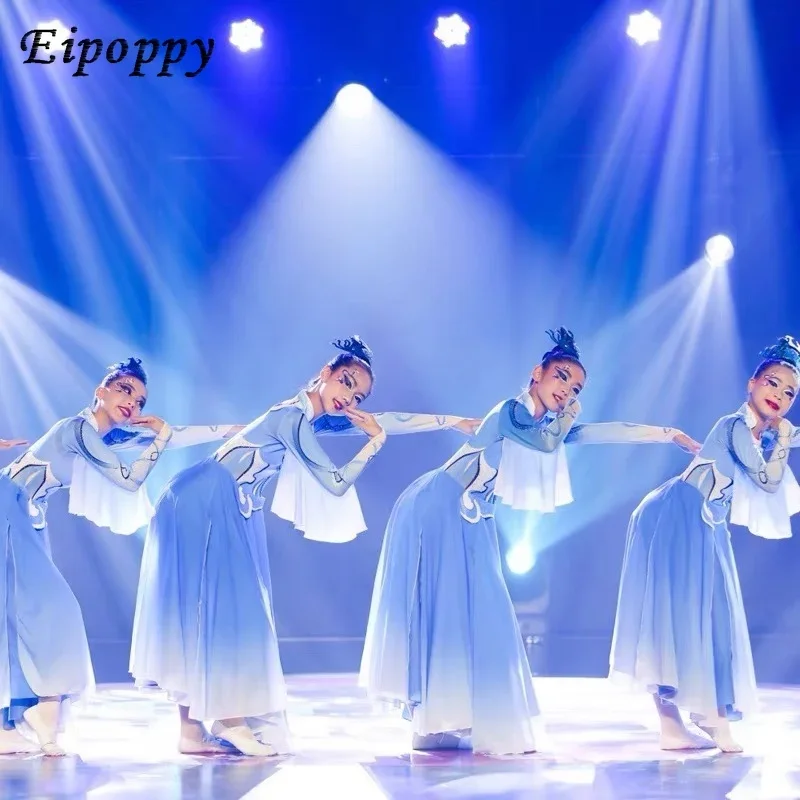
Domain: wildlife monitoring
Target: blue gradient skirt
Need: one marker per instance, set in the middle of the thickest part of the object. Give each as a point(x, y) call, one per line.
point(443, 639)
point(43, 647)
point(681, 628)
point(204, 629)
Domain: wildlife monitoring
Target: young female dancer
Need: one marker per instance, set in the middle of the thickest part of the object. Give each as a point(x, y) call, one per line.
point(204, 629)
point(442, 638)
point(44, 656)
point(680, 629)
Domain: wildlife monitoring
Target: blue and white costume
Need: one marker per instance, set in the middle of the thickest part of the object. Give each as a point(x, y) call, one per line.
point(120, 509)
point(681, 629)
point(204, 629)
point(43, 647)
point(442, 639)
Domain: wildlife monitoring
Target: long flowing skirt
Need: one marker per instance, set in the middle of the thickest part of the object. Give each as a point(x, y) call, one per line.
point(681, 628)
point(204, 630)
point(43, 647)
point(443, 639)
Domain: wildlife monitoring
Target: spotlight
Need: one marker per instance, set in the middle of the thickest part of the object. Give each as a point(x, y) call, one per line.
point(62, 32)
point(354, 100)
point(644, 28)
point(719, 250)
point(521, 558)
point(451, 30)
point(246, 35)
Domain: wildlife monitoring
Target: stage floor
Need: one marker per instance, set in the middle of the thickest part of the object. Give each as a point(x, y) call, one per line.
point(598, 743)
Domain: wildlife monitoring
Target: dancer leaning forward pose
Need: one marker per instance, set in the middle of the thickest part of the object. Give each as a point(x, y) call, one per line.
point(442, 639)
point(680, 630)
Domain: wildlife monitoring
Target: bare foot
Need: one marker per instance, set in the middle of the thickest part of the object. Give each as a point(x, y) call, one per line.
point(12, 741)
point(684, 740)
point(674, 733)
point(196, 741)
point(242, 738)
point(723, 737)
point(41, 719)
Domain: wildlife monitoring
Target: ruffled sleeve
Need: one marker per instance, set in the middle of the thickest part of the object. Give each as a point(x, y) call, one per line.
point(530, 479)
point(765, 493)
point(318, 498)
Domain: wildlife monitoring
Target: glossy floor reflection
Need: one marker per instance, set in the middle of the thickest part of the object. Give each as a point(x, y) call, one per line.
point(598, 743)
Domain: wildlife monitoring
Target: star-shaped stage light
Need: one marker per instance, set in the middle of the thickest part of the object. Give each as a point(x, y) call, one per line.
point(451, 30)
point(644, 28)
point(246, 35)
point(62, 33)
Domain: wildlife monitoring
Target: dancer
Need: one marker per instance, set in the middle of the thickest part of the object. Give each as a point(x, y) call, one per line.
point(44, 655)
point(442, 639)
point(680, 630)
point(204, 629)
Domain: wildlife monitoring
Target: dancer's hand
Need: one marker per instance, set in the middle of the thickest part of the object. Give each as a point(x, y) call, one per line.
point(365, 421)
point(154, 423)
point(573, 407)
point(686, 443)
point(782, 427)
point(5, 444)
point(468, 426)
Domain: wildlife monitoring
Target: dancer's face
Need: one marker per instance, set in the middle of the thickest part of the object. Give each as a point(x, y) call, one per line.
point(343, 388)
point(773, 392)
point(122, 400)
point(558, 384)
